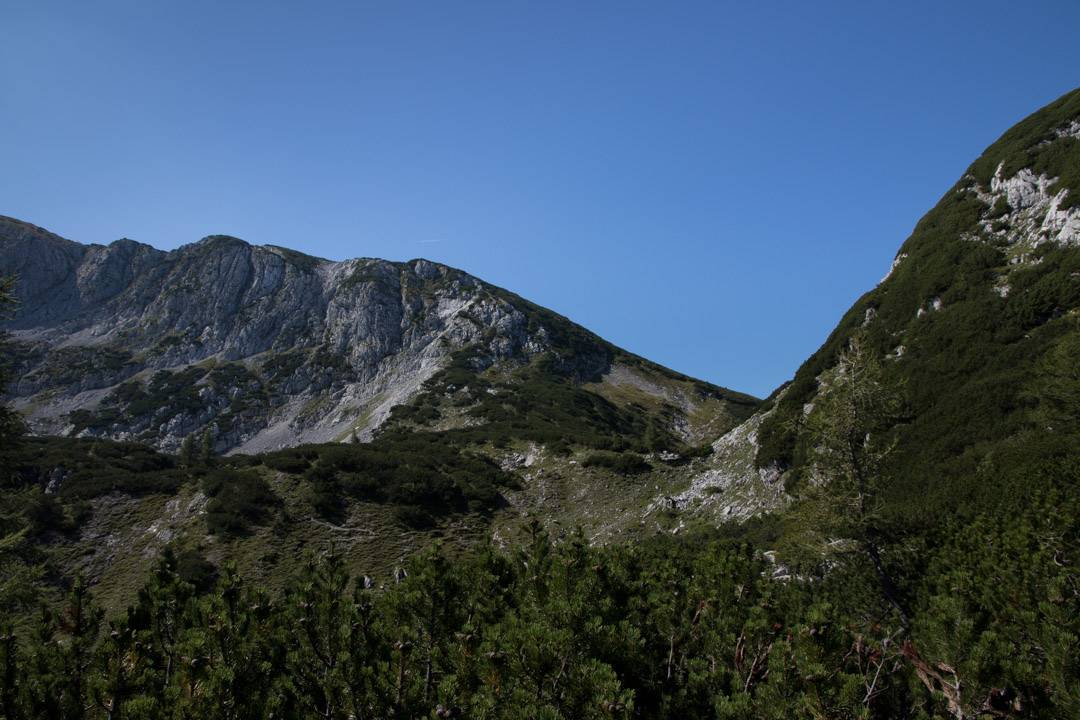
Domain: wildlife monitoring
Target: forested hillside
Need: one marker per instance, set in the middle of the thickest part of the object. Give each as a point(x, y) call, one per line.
point(978, 327)
point(668, 629)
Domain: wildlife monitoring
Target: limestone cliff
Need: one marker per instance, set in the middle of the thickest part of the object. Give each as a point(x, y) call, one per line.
point(259, 347)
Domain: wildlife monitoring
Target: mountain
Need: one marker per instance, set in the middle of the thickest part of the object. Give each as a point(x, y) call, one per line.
point(260, 347)
point(386, 404)
point(977, 326)
point(526, 521)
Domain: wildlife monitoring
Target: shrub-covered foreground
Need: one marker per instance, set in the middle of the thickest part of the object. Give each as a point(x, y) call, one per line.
point(690, 628)
point(419, 475)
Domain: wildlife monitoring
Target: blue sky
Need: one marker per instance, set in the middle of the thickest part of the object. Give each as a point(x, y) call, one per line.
point(709, 185)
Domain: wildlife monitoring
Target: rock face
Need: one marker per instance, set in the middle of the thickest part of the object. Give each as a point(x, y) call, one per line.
point(257, 347)
point(730, 487)
point(1027, 210)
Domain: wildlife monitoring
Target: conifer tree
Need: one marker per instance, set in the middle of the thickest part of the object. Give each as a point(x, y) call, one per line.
point(121, 665)
point(233, 657)
point(159, 615)
point(848, 433)
point(79, 623)
point(187, 450)
point(206, 452)
point(58, 668)
point(320, 609)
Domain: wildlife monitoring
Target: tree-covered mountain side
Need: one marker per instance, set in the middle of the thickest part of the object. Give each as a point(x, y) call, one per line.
point(238, 481)
point(976, 327)
point(669, 628)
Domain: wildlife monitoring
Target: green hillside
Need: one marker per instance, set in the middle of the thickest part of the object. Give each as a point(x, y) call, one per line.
point(979, 328)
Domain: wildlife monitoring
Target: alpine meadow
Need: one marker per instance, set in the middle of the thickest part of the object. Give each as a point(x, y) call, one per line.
point(242, 481)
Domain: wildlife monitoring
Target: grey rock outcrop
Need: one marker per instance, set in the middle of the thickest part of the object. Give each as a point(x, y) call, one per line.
point(258, 347)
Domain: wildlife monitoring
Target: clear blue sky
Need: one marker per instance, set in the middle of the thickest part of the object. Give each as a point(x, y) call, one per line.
point(706, 184)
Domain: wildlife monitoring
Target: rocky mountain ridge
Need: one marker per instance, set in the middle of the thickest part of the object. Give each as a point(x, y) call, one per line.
point(260, 347)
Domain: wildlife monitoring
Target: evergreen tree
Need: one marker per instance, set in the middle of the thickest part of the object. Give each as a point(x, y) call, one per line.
point(206, 452)
point(58, 667)
point(320, 609)
point(233, 655)
point(848, 434)
point(187, 450)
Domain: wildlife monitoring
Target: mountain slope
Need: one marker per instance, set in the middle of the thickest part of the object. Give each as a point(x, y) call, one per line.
point(484, 410)
point(977, 326)
point(475, 409)
point(259, 347)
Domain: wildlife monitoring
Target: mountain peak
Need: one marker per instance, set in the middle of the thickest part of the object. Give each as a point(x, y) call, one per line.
point(222, 240)
point(13, 227)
